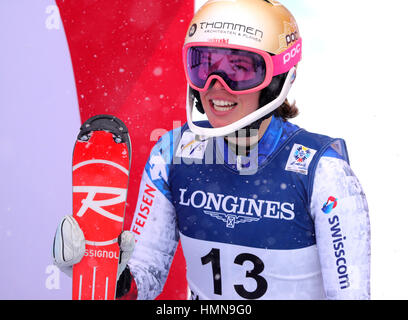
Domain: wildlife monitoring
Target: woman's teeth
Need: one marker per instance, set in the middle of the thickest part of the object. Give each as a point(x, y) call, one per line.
point(222, 105)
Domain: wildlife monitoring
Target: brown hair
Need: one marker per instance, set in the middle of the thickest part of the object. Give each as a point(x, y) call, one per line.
point(287, 110)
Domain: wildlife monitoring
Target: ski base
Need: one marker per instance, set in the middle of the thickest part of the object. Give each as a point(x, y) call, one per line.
point(101, 164)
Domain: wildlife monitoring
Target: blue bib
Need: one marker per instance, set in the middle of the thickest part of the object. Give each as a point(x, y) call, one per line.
point(268, 208)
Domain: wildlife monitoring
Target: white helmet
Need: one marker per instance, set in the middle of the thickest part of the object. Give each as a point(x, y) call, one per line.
point(265, 33)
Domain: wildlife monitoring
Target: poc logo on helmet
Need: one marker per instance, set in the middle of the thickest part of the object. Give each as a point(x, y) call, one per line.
point(292, 54)
point(291, 37)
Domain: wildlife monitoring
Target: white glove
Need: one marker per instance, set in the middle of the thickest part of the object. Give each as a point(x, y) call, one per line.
point(69, 246)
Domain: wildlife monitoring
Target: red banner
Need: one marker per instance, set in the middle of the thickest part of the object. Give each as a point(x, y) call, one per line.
point(126, 58)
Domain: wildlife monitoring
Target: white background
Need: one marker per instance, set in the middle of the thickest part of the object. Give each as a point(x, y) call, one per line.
point(352, 84)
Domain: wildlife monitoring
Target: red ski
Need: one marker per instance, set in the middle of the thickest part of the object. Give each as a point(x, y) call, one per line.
point(100, 175)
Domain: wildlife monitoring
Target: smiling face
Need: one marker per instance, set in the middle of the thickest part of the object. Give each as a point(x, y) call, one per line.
point(223, 108)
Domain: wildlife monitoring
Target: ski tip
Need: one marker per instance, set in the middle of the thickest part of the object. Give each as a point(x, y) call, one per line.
point(105, 122)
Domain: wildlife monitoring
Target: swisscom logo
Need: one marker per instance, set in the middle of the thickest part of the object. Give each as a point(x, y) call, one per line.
point(339, 243)
point(330, 204)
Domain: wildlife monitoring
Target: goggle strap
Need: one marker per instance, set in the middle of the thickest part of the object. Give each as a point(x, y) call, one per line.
point(287, 59)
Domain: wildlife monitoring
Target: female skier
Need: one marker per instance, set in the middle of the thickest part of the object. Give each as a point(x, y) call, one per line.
point(263, 208)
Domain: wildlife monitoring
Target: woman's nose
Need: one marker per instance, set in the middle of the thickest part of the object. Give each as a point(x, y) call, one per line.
point(216, 84)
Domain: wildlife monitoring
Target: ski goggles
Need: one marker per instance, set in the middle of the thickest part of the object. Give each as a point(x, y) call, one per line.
point(240, 69)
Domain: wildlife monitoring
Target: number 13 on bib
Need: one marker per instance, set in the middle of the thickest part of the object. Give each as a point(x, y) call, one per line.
point(100, 175)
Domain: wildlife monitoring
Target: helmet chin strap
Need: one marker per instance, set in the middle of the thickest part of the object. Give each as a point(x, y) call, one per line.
point(247, 120)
